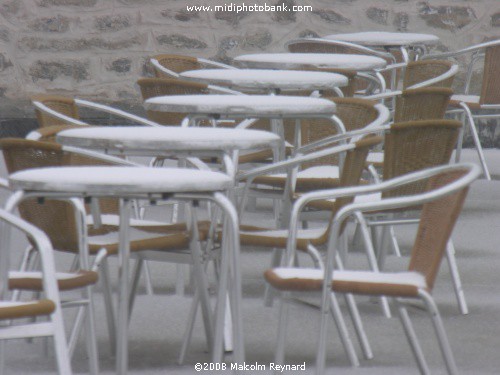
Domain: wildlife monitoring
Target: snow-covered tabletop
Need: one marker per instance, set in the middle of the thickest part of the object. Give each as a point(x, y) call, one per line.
point(385, 39)
point(118, 181)
point(243, 106)
point(152, 141)
point(251, 79)
point(321, 60)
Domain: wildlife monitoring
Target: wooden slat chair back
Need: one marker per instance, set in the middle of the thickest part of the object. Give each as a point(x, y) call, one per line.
point(60, 104)
point(423, 70)
point(422, 104)
point(416, 145)
point(54, 217)
point(176, 63)
point(152, 87)
point(490, 90)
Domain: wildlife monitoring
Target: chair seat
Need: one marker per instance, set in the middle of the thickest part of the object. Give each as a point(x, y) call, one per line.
point(65, 280)
point(375, 158)
point(16, 310)
point(164, 238)
point(319, 177)
point(256, 236)
point(471, 100)
point(403, 284)
point(327, 204)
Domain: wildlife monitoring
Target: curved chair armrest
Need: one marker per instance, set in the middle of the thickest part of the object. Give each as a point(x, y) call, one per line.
point(4, 183)
point(48, 131)
point(161, 68)
point(450, 73)
point(293, 162)
point(470, 49)
point(70, 120)
point(116, 112)
point(215, 64)
point(360, 48)
point(377, 125)
point(385, 204)
point(392, 67)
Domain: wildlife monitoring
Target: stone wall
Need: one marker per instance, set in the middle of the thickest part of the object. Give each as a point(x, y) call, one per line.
point(98, 48)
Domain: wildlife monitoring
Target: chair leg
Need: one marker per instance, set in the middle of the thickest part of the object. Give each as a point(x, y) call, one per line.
point(279, 356)
point(148, 281)
point(476, 140)
point(60, 347)
point(139, 265)
point(394, 241)
point(269, 292)
point(440, 332)
point(412, 337)
point(189, 327)
point(355, 317)
point(343, 332)
point(90, 334)
point(460, 142)
point(108, 304)
point(372, 259)
point(455, 277)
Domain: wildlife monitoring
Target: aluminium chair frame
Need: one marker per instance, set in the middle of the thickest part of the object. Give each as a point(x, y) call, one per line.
point(472, 172)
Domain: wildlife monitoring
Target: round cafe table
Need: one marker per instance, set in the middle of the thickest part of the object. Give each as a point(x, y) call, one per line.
point(128, 183)
point(274, 108)
point(168, 141)
point(289, 60)
point(272, 81)
point(388, 40)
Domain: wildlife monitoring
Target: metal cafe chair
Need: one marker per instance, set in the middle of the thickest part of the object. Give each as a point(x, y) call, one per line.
point(442, 199)
point(475, 107)
point(13, 313)
point(169, 66)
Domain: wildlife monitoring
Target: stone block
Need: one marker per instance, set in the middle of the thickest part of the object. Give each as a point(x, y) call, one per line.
point(9, 8)
point(308, 34)
point(446, 17)
point(113, 22)
point(401, 20)
point(495, 20)
point(285, 17)
point(4, 62)
point(57, 24)
point(180, 41)
point(32, 43)
point(120, 66)
point(50, 70)
point(232, 18)
point(257, 39)
point(181, 15)
point(378, 15)
point(331, 16)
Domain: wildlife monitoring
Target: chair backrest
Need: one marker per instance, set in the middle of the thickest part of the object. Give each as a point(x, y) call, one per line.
point(437, 220)
point(355, 113)
point(424, 70)
point(55, 218)
point(490, 90)
point(60, 104)
point(316, 45)
point(354, 164)
point(176, 64)
point(422, 104)
point(151, 87)
point(415, 145)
